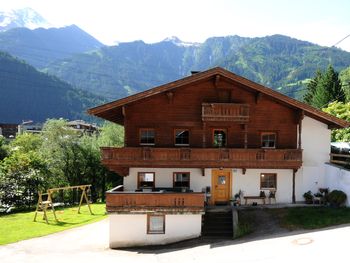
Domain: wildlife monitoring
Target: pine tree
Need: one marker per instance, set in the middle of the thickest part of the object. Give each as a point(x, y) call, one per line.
point(324, 88)
point(311, 87)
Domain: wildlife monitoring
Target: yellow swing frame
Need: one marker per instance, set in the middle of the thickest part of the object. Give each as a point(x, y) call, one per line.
point(42, 206)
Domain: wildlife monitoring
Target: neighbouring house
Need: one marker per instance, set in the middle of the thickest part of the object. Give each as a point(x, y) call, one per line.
point(8, 130)
point(83, 127)
point(30, 127)
point(202, 139)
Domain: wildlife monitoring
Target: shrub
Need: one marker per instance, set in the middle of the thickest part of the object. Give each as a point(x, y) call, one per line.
point(308, 197)
point(336, 198)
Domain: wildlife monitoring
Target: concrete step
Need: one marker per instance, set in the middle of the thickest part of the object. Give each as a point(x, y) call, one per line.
point(217, 224)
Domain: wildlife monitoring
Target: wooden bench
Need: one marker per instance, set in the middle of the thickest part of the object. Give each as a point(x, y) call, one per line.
point(254, 198)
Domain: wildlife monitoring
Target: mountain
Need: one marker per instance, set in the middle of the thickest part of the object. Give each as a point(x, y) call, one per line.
point(29, 94)
point(41, 46)
point(25, 17)
point(277, 61)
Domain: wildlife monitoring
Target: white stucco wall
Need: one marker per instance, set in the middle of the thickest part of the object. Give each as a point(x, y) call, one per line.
point(249, 183)
point(338, 179)
point(164, 178)
point(131, 229)
point(315, 141)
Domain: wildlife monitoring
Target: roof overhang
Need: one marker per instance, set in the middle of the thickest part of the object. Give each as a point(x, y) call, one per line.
point(114, 111)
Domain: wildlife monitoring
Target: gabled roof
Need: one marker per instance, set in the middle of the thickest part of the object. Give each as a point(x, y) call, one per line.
point(112, 111)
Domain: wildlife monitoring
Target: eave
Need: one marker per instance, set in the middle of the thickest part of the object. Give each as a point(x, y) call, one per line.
point(113, 111)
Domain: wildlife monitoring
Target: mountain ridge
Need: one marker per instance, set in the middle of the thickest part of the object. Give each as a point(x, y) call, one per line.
point(276, 61)
point(41, 46)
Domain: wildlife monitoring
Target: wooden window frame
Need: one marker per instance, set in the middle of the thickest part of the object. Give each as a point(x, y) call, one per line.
point(189, 179)
point(268, 188)
point(149, 232)
point(147, 129)
point(182, 129)
point(268, 133)
point(138, 179)
point(213, 136)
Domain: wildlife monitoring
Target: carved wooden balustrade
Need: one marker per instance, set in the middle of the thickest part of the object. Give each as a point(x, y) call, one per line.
point(202, 157)
point(225, 112)
point(136, 201)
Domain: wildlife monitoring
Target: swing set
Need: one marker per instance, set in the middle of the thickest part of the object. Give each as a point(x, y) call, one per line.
point(44, 206)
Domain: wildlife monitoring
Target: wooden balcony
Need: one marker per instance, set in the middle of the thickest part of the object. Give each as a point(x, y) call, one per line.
point(154, 201)
point(231, 112)
point(201, 157)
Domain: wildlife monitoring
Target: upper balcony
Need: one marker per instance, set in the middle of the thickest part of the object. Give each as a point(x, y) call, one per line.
point(202, 157)
point(231, 112)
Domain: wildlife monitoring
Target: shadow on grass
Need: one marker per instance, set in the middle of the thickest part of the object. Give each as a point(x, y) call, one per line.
point(62, 223)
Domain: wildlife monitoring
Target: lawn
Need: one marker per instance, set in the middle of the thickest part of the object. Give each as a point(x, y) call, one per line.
point(312, 217)
point(20, 226)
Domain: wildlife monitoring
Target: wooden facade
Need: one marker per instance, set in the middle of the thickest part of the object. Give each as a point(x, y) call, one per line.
point(261, 127)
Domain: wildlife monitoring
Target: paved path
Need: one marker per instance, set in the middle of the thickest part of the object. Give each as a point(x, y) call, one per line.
point(90, 244)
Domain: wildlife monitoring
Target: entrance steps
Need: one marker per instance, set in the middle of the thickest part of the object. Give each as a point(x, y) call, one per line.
point(217, 223)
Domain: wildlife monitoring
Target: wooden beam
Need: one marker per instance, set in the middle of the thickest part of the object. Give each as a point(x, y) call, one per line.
point(217, 80)
point(293, 186)
point(123, 111)
point(301, 117)
point(204, 139)
point(245, 136)
point(170, 96)
point(257, 97)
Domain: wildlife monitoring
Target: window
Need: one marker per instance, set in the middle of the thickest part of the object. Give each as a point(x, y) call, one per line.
point(155, 224)
point(268, 181)
point(182, 137)
point(147, 136)
point(181, 179)
point(268, 140)
point(219, 138)
point(145, 179)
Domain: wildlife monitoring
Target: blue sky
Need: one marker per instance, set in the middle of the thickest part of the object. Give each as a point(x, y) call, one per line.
point(324, 22)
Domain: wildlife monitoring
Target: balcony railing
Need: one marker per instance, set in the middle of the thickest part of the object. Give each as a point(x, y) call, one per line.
point(135, 201)
point(202, 157)
point(232, 112)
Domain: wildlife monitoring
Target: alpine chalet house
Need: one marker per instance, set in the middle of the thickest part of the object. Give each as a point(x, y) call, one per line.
point(204, 139)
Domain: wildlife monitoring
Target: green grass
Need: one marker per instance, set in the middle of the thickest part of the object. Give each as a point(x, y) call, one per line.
point(312, 217)
point(20, 226)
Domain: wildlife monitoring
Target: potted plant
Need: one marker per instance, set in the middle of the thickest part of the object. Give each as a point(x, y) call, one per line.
point(308, 196)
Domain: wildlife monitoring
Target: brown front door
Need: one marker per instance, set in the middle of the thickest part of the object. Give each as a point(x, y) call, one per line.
point(221, 185)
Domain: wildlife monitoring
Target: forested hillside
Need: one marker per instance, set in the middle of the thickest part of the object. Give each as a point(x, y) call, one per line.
point(29, 94)
point(277, 61)
point(41, 46)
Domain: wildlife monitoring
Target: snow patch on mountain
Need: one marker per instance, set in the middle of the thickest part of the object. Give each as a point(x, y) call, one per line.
point(176, 41)
point(25, 17)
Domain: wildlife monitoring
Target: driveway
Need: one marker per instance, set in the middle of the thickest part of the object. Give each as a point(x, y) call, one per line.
point(90, 244)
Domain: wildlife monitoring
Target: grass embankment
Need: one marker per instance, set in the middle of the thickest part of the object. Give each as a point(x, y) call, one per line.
point(20, 226)
point(311, 217)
